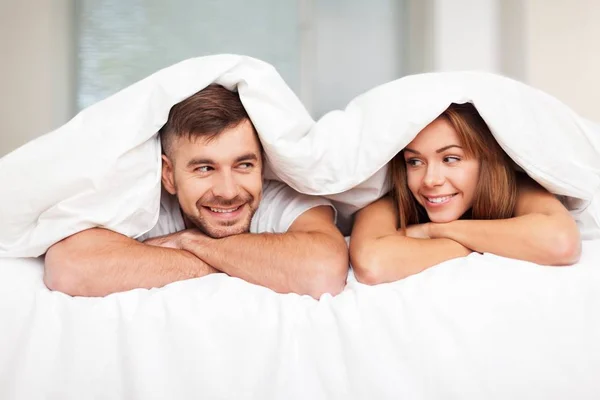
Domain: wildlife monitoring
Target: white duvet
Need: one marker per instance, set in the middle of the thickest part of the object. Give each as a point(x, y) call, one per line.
point(66, 181)
point(481, 327)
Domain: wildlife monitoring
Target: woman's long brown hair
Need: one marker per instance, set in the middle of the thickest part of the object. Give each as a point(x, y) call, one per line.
point(496, 194)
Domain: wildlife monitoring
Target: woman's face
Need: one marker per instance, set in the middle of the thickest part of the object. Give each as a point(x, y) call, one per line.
point(440, 177)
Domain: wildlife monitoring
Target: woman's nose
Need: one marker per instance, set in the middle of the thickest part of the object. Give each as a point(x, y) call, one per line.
point(433, 177)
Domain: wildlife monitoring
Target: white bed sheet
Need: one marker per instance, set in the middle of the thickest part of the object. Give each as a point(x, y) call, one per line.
point(481, 327)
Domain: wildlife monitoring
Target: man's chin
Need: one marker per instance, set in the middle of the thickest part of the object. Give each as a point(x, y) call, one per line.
point(218, 228)
point(219, 232)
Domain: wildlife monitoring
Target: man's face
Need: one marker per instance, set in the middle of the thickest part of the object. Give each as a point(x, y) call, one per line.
point(218, 182)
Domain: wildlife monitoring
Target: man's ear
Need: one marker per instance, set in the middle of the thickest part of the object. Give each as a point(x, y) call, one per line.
point(168, 175)
point(263, 162)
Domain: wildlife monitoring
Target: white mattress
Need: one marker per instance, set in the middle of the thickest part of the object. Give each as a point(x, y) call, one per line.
point(482, 327)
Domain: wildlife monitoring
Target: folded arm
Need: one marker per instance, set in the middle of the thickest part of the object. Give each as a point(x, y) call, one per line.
point(310, 258)
point(542, 230)
point(380, 253)
point(98, 262)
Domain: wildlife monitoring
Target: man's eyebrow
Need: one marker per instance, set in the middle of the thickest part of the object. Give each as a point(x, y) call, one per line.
point(208, 161)
point(198, 161)
point(247, 157)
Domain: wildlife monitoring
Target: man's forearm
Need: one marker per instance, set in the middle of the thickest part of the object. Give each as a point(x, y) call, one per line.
point(299, 262)
point(99, 262)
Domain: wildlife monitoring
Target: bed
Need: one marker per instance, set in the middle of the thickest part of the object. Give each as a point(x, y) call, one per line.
point(479, 327)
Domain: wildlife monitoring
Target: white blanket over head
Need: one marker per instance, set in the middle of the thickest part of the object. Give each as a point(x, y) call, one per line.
point(103, 167)
point(556, 147)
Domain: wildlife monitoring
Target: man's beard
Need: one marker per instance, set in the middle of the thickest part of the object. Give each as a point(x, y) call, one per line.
point(224, 228)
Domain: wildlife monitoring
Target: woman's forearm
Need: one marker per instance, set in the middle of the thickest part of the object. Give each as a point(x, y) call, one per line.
point(539, 238)
point(394, 257)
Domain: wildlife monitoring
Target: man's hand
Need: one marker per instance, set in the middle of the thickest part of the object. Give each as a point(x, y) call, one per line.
point(175, 240)
point(98, 262)
point(310, 258)
point(419, 231)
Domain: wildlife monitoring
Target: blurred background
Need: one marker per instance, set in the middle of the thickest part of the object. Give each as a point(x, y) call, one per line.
point(59, 56)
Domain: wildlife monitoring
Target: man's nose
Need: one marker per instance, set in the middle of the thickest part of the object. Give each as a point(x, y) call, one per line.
point(225, 186)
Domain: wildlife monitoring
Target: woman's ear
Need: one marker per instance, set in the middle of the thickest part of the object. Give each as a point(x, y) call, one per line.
point(168, 176)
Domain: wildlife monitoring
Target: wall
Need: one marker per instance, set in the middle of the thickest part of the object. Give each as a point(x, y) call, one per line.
point(562, 40)
point(550, 44)
point(37, 69)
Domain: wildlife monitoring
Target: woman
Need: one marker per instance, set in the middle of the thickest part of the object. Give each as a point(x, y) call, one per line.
point(455, 191)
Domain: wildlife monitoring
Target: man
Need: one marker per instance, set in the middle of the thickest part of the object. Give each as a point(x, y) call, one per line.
point(216, 215)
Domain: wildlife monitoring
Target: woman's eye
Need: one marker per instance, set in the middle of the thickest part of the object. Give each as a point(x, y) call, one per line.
point(413, 162)
point(451, 159)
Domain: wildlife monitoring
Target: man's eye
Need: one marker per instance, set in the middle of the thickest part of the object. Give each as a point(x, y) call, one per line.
point(246, 165)
point(204, 168)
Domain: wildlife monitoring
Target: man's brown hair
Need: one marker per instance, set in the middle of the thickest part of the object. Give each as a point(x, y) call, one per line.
point(496, 194)
point(205, 115)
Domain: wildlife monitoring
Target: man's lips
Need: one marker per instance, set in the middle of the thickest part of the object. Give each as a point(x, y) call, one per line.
point(225, 212)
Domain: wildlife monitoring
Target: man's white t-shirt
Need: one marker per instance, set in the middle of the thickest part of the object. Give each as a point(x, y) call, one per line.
point(278, 209)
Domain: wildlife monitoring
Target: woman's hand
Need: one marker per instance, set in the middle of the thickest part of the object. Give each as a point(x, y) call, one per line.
point(419, 231)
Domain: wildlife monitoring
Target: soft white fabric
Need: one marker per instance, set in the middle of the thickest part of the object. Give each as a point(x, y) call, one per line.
point(480, 327)
point(170, 219)
point(556, 147)
point(279, 207)
point(103, 167)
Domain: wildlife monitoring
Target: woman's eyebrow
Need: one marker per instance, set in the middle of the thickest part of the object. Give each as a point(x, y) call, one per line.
point(447, 147)
point(437, 151)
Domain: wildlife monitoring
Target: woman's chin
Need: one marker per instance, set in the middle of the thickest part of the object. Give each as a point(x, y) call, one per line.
point(442, 219)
